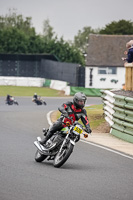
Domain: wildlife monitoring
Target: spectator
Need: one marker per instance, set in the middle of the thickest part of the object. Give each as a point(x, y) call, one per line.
point(129, 53)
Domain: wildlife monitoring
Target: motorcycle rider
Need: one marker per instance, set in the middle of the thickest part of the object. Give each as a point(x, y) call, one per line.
point(8, 98)
point(75, 110)
point(35, 96)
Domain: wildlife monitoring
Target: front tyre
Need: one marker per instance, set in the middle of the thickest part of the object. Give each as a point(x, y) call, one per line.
point(39, 157)
point(62, 156)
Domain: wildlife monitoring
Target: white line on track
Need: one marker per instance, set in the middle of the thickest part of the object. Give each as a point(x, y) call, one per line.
point(108, 149)
point(48, 117)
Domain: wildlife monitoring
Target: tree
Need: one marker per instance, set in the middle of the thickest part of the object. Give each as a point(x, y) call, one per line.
point(48, 32)
point(81, 39)
point(12, 20)
point(13, 40)
point(18, 36)
point(122, 27)
point(64, 51)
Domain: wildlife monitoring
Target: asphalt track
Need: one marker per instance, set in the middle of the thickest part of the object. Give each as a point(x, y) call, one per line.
point(91, 173)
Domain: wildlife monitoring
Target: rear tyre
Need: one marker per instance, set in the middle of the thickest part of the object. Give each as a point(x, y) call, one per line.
point(39, 157)
point(62, 157)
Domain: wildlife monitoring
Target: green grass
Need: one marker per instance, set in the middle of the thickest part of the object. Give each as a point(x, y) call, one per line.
point(29, 91)
point(95, 115)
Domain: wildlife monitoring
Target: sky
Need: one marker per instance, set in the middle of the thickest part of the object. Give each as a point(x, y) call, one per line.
point(67, 17)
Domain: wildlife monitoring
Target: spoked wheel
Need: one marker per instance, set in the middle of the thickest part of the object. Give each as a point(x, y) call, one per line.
point(62, 156)
point(39, 157)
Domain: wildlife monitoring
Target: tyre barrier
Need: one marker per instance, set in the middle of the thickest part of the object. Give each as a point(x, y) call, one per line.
point(118, 112)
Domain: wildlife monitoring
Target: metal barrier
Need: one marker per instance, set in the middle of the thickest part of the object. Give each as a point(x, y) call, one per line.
point(118, 111)
point(42, 66)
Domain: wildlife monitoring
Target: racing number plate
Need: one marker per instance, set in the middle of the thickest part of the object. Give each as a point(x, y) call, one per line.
point(78, 129)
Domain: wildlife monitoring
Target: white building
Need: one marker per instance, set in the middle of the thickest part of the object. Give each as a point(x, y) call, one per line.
point(104, 66)
point(104, 77)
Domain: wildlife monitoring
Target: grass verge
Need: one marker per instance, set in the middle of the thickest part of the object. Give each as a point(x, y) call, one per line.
point(95, 115)
point(29, 91)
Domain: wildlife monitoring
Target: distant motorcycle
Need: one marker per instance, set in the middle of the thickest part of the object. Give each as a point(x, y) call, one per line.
point(11, 101)
point(39, 101)
point(60, 146)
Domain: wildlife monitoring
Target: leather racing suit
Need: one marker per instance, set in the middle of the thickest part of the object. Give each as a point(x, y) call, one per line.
point(69, 110)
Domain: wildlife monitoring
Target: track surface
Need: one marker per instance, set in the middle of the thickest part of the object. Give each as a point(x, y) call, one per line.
point(90, 173)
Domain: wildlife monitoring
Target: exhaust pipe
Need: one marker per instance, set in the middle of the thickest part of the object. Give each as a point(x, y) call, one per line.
point(42, 148)
point(38, 146)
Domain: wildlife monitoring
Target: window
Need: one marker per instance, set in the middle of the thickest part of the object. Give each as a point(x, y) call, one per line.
point(112, 70)
point(107, 70)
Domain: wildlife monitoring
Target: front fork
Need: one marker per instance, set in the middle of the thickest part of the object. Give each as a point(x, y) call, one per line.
point(65, 140)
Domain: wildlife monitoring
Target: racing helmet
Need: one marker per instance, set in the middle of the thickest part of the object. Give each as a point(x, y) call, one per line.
point(79, 100)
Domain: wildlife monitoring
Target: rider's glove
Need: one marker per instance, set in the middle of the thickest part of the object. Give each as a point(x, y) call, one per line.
point(66, 115)
point(85, 135)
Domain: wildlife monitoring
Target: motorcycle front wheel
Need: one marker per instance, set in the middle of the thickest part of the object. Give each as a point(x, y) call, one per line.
point(39, 157)
point(62, 156)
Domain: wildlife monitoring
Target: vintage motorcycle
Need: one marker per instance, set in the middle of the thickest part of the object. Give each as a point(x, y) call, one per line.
point(39, 101)
point(11, 101)
point(60, 146)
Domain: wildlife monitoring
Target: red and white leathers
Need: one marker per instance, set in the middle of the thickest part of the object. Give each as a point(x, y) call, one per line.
point(70, 110)
point(75, 113)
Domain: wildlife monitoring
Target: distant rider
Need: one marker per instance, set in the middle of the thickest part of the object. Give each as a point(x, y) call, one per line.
point(8, 98)
point(35, 96)
point(75, 110)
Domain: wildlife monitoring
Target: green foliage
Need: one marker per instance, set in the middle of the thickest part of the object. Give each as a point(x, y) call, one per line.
point(12, 20)
point(82, 38)
point(35, 44)
point(18, 36)
point(48, 31)
point(64, 51)
point(122, 27)
point(13, 40)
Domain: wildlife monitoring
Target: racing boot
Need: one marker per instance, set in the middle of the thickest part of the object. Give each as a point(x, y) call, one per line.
point(45, 139)
point(56, 126)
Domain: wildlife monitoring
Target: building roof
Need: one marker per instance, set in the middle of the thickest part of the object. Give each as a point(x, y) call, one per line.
point(106, 50)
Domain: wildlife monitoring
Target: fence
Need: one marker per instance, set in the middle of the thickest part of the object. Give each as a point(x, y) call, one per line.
point(41, 66)
point(118, 111)
point(129, 76)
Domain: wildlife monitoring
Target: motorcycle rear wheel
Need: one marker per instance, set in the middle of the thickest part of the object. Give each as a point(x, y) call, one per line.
point(39, 157)
point(62, 157)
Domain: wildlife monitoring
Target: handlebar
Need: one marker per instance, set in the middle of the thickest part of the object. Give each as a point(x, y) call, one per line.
point(70, 118)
